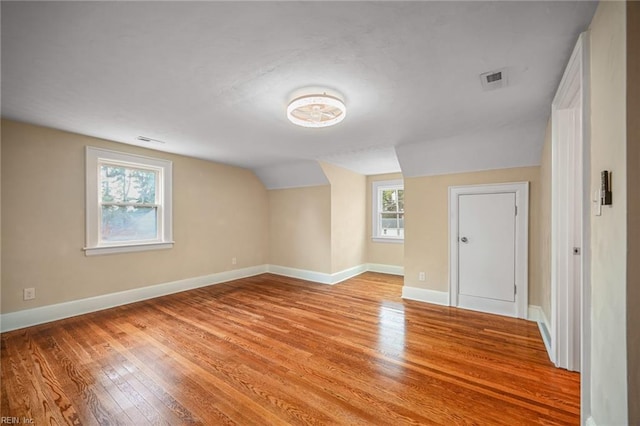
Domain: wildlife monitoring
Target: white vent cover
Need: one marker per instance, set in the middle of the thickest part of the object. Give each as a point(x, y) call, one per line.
point(493, 80)
point(149, 140)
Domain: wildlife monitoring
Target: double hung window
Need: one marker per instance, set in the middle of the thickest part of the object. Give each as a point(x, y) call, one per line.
point(128, 202)
point(388, 211)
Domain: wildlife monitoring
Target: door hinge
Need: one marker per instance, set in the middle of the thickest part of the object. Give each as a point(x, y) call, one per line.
point(516, 210)
point(515, 289)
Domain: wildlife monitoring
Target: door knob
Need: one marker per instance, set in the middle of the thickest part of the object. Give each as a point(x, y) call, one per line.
point(464, 239)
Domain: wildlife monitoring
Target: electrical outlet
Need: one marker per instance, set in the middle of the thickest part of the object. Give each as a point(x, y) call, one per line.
point(29, 293)
point(422, 276)
point(234, 260)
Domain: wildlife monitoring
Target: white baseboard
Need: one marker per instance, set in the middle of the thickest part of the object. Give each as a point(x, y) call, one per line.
point(385, 269)
point(590, 422)
point(424, 295)
point(44, 314)
point(318, 277)
point(338, 277)
point(302, 274)
point(536, 313)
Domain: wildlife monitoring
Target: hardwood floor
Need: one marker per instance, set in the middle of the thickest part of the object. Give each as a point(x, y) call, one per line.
point(275, 350)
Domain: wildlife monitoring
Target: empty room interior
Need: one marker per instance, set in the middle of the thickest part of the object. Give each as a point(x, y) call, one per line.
point(320, 212)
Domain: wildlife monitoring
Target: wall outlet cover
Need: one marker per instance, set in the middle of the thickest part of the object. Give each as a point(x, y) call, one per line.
point(29, 293)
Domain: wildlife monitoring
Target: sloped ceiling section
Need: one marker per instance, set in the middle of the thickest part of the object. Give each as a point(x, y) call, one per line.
point(370, 161)
point(212, 79)
point(515, 145)
point(292, 175)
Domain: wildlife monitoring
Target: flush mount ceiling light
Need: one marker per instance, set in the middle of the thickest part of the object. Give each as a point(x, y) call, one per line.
point(316, 111)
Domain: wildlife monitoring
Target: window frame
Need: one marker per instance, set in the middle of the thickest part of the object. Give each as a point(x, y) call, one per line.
point(376, 209)
point(95, 157)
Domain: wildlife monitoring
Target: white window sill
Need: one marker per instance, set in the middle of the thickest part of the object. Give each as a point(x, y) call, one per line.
point(388, 240)
point(97, 251)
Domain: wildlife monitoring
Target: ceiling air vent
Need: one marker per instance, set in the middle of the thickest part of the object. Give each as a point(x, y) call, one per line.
point(493, 80)
point(148, 140)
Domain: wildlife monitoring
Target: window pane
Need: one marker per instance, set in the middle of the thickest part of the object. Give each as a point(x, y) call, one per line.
point(389, 200)
point(391, 224)
point(401, 200)
point(127, 185)
point(128, 223)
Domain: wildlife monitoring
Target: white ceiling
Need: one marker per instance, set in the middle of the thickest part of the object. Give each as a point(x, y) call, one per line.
point(212, 79)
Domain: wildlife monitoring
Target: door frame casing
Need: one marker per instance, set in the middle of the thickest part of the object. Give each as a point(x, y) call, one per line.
point(521, 191)
point(573, 93)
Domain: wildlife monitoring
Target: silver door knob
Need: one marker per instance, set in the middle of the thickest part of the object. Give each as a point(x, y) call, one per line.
point(464, 239)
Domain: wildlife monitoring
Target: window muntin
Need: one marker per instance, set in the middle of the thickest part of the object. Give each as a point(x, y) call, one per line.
point(388, 210)
point(128, 202)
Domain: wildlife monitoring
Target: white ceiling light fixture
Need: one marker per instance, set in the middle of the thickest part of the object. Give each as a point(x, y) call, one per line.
point(316, 110)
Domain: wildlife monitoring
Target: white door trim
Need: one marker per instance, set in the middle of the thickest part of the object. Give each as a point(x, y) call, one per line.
point(568, 330)
point(521, 191)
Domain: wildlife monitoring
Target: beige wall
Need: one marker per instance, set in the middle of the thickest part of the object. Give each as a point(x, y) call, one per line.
point(0, 216)
point(545, 225)
point(319, 228)
point(219, 212)
point(633, 213)
point(381, 253)
point(300, 228)
point(348, 214)
point(426, 247)
point(609, 231)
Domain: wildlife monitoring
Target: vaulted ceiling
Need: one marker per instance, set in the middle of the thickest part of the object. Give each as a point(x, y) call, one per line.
point(213, 79)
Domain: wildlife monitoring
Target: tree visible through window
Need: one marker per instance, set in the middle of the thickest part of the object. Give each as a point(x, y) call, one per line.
point(392, 214)
point(128, 202)
point(388, 210)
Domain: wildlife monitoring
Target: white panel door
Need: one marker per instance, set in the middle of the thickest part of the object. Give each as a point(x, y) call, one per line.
point(486, 252)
